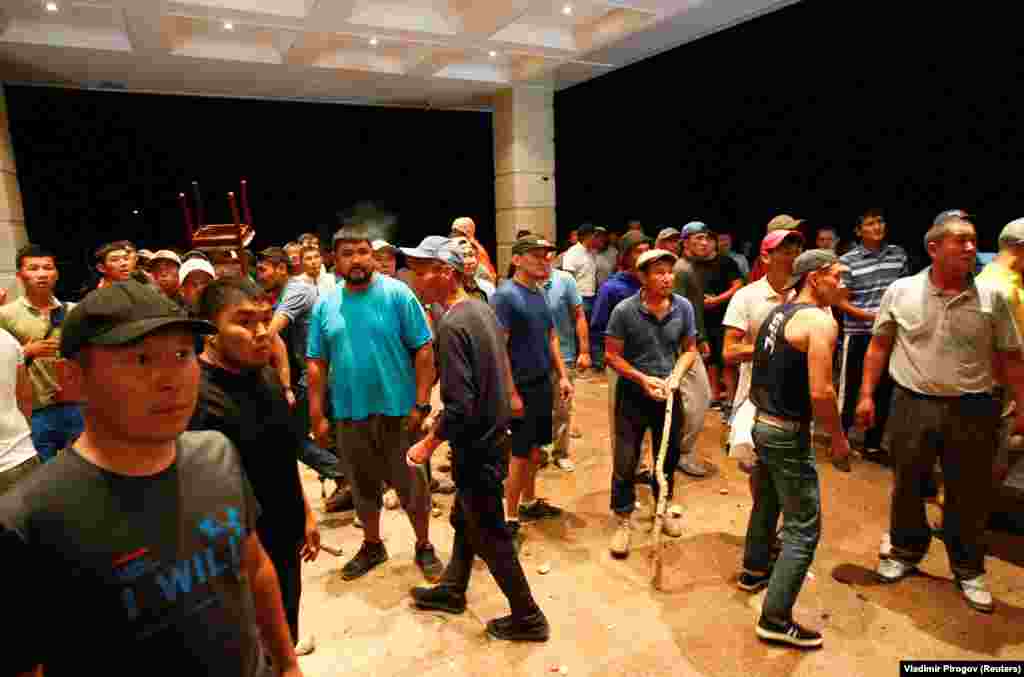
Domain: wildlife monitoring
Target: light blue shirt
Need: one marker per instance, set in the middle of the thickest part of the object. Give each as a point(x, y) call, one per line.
point(563, 298)
point(369, 338)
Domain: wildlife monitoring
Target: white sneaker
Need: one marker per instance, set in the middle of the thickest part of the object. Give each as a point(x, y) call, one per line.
point(671, 525)
point(391, 501)
point(565, 464)
point(306, 646)
point(976, 594)
point(892, 570)
point(885, 547)
point(622, 537)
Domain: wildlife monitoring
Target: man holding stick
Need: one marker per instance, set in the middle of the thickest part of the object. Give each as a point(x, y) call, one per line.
point(646, 335)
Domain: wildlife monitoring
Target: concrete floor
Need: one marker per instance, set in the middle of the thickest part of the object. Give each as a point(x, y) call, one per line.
point(607, 620)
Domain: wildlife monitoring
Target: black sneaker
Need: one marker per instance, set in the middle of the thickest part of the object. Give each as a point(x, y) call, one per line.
point(540, 510)
point(532, 628)
point(369, 556)
point(643, 477)
point(791, 633)
point(753, 582)
point(439, 598)
point(429, 564)
point(513, 531)
point(340, 500)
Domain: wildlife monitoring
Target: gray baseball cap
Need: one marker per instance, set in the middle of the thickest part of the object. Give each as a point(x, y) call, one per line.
point(810, 261)
point(1012, 233)
point(427, 249)
point(666, 233)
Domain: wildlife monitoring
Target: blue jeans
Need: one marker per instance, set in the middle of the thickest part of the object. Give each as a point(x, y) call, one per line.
point(322, 461)
point(596, 342)
point(787, 483)
point(54, 428)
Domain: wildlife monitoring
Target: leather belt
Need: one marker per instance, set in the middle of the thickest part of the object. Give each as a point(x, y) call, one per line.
point(786, 424)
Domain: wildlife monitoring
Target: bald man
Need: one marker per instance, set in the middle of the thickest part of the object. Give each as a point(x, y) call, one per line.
point(465, 227)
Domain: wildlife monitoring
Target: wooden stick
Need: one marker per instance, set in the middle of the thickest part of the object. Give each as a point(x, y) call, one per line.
point(659, 472)
point(246, 212)
point(234, 209)
point(199, 204)
point(188, 217)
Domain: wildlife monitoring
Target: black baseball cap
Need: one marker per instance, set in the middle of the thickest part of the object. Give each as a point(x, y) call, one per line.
point(529, 243)
point(121, 314)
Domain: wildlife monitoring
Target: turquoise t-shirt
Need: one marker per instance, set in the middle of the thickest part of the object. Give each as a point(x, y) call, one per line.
point(369, 339)
point(563, 297)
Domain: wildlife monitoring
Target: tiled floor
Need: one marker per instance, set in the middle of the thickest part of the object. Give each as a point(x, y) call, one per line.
point(606, 618)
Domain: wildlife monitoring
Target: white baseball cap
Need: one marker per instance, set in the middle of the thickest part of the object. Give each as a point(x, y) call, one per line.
point(193, 265)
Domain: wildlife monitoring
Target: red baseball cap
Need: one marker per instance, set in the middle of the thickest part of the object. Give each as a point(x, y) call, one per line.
point(776, 237)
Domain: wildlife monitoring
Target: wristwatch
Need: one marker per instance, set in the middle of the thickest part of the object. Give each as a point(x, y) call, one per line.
point(424, 408)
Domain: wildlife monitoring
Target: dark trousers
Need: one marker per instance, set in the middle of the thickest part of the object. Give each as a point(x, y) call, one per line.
point(634, 414)
point(478, 518)
point(962, 433)
point(322, 461)
point(288, 565)
point(856, 347)
point(786, 484)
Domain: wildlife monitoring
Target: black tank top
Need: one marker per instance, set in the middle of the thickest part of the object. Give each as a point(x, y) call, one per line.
point(781, 384)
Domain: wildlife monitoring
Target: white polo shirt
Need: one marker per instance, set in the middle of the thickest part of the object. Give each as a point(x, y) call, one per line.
point(15, 433)
point(582, 264)
point(746, 311)
point(944, 345)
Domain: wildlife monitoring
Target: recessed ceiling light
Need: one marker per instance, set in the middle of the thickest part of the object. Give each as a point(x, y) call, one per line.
point(51, 7)
point(228, 26)
point(135, 211)
point(373, 42)
point(567, 10)
point(492, 54)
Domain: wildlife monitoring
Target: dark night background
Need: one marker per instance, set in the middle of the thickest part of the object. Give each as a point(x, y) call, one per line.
point(87, 159)
point(820, 110)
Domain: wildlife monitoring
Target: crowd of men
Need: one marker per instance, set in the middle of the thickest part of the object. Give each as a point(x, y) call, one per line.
point(149, 433)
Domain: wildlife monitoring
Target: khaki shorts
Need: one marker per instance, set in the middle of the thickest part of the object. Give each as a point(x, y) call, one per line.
point(372, 452)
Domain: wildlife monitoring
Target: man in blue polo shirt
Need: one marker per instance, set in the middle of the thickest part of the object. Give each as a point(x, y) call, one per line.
point(371, 340)
point(566, 306)
point(647, 334)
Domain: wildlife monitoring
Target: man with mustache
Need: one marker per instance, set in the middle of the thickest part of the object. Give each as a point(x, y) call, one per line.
point(371, 341)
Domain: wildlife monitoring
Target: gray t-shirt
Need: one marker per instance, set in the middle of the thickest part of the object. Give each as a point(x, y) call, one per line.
point(110, 574)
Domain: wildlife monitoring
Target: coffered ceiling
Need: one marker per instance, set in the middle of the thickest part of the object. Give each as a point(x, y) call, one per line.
point(423, 53)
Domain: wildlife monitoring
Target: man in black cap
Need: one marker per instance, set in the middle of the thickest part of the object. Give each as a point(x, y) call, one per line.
point(148, 530)
point(529, 329)
point(475, 393)
point(792, 380)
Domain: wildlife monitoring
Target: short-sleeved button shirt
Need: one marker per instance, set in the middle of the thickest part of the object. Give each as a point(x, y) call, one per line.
point(369, 338)
point(27, 323)
point(651, 345)
point(563, 298)
point(944, 345)
point(525, 315)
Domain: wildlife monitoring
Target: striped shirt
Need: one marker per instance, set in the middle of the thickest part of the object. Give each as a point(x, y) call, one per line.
point(870, 274)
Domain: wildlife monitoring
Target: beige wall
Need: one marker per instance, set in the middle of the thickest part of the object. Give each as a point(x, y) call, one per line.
point(524, 165)
point(12, 216)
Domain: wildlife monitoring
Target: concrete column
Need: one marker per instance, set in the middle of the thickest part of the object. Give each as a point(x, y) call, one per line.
point(524, 166)
point(12, 217)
